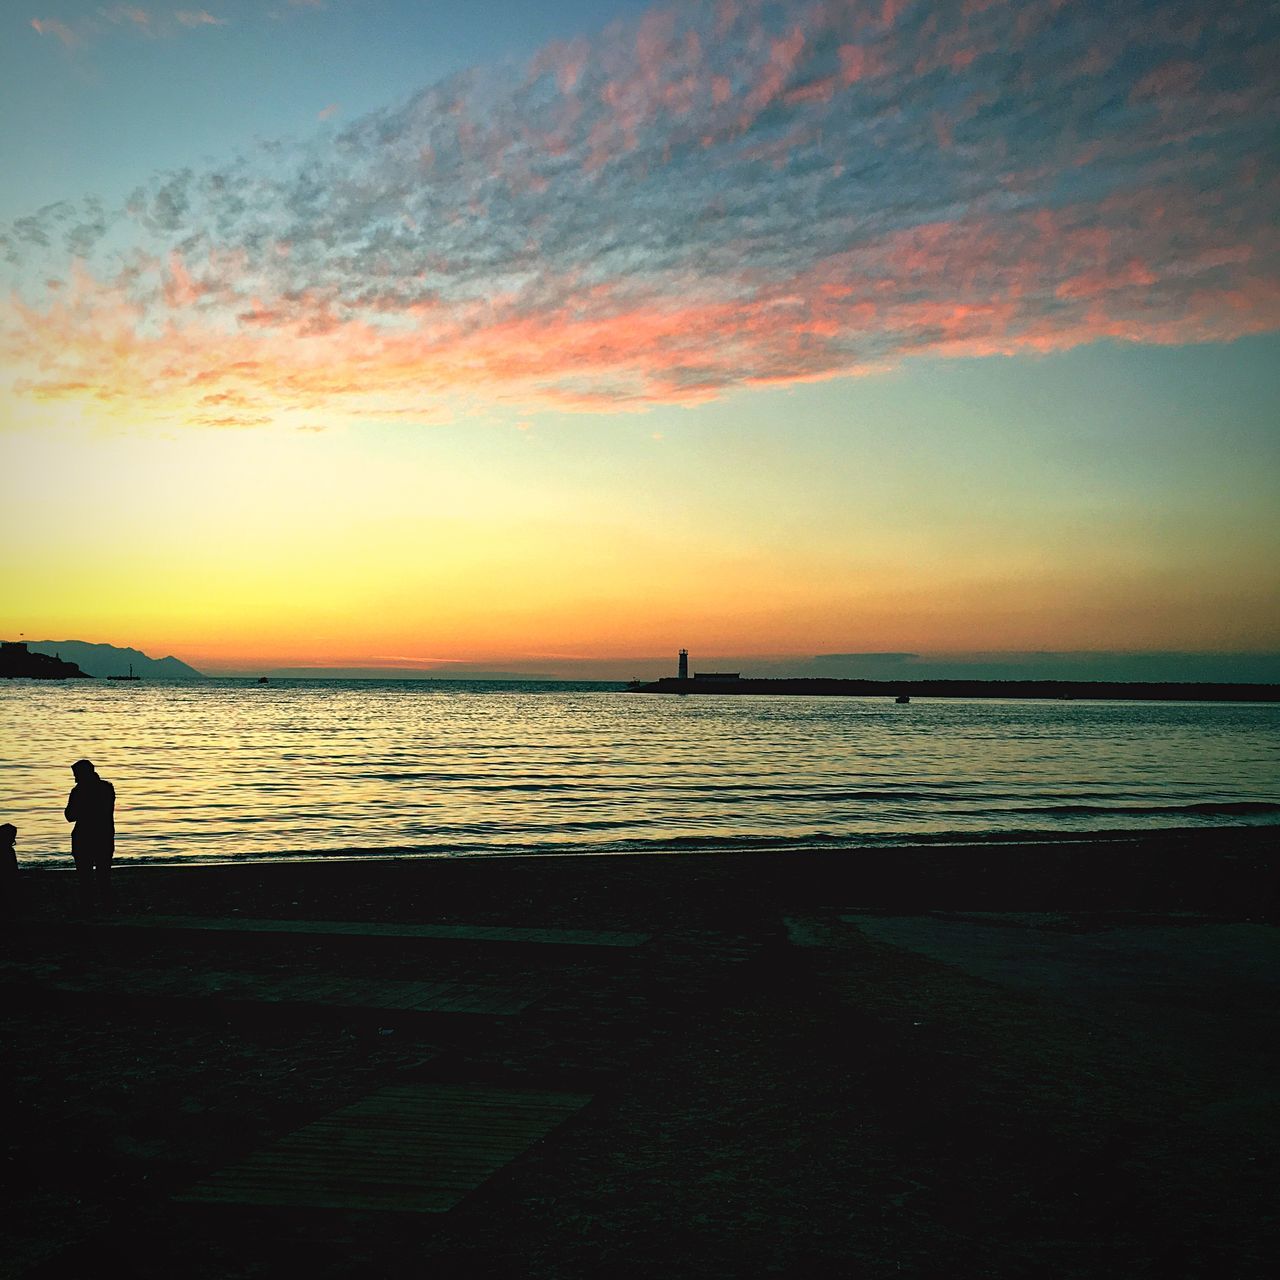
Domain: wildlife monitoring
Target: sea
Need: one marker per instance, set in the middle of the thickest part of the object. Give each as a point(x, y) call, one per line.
point(227, 770)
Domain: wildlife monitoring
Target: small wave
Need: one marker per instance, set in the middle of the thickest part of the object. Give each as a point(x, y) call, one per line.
point(767, 790)
point(1228, 808)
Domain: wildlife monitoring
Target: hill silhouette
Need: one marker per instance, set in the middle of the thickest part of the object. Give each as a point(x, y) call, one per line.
point(104, 660)
point(17, 662)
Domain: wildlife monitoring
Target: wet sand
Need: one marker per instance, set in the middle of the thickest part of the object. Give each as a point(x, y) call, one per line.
point(989, 1060)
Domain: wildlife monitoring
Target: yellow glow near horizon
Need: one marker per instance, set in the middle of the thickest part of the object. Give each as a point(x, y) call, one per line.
point(552, 354)
point(481, 542)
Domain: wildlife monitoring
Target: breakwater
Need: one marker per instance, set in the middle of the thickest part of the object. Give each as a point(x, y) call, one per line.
point(1155, 691)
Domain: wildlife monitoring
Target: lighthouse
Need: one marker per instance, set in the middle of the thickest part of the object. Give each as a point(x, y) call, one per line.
point(684, 664)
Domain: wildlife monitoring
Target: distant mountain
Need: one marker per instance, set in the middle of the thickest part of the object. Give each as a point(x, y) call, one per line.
point(104, 660)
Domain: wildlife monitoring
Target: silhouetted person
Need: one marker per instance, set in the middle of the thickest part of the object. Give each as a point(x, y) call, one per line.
point(8, 869)
point(92, 807)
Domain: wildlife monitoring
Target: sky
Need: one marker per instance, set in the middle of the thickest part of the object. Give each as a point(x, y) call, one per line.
point(403, 334)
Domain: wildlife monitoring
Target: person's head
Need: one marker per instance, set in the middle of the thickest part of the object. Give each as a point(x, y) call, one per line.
point(83, 770)
point(8, 835)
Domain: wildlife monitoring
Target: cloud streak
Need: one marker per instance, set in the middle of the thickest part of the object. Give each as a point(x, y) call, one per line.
point(67, 36)
point(714, 196)
point(127, 17)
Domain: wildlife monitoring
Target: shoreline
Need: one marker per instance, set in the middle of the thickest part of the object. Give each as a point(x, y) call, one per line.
point(1225, 869)
point(906, 845)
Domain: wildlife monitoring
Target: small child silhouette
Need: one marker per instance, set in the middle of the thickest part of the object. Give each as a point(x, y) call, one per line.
point(8, 867)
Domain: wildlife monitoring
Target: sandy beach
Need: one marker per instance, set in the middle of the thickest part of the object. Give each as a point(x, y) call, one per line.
point(996, 1060)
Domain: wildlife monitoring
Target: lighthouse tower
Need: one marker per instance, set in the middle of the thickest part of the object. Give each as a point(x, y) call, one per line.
point(684, 664)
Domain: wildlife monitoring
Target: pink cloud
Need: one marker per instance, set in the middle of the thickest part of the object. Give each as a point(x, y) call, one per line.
point(962, 288)
point(1172, 78)
point(892, 10)
point(565, 60)
point(856, 61)
point(716, 196)
point(59, 30)
point(122, 13)
point(813, 91)
point(198, 18)
point(180, 290)
point(106, 19)
point(783, 56)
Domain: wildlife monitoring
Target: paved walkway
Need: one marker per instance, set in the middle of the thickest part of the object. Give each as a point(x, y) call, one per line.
point(1046, 952)
point(365, 929)
point(330, 990)
point(413, 1148)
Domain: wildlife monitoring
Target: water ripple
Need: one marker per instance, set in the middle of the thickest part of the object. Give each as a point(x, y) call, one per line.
point(228, 769)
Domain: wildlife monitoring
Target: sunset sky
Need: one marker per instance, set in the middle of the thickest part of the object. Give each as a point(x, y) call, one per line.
point(404, 333)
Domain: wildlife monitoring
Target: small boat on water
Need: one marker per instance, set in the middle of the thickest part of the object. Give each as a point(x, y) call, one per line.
point(130, 676)
point(902, 698)
point(262, 680)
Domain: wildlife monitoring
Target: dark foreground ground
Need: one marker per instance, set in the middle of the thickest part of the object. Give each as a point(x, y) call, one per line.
point(1048, 1061)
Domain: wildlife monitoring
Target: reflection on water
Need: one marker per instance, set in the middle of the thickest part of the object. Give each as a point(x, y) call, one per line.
point(224, 768)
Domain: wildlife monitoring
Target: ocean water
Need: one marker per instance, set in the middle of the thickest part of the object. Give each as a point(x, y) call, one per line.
point(229, 769)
